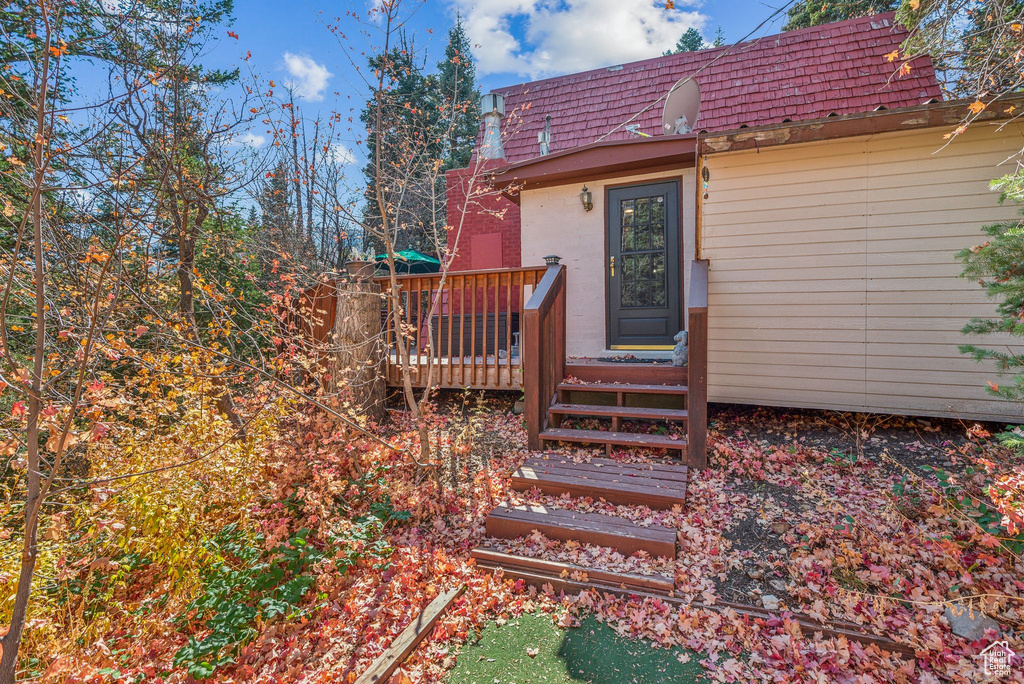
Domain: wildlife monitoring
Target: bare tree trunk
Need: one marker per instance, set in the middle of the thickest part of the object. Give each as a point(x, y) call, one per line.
point(11, 642)
point(401, 336)
point(299, 222)
point(309, 168)
point(358, 358)
point(188, 230)
point(186, 261)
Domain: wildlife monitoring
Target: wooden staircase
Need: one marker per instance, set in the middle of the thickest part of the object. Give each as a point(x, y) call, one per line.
point(626, 388)
point(558, 392)
point(632, 402)
point(656, 484)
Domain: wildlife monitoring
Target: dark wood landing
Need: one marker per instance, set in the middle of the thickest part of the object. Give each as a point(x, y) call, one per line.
point(628, 412)
point(492, 558)
point(655, 485)
point(598, 370)
point(614, 438)
point(509, 522)
point(625, 388)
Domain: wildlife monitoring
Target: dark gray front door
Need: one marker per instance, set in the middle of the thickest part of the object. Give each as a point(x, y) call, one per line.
point(644, 295)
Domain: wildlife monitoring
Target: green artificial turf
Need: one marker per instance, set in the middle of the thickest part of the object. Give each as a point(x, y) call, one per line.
point(590, 653)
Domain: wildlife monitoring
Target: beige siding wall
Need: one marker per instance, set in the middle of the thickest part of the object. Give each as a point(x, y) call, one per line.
point(554, 222)
point(832, 277)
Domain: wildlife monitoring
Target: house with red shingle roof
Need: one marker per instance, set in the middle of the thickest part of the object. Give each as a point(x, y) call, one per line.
point(811, 73)
point(792, 246)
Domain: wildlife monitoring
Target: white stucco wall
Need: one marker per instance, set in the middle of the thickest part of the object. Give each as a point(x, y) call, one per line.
point(554, 222)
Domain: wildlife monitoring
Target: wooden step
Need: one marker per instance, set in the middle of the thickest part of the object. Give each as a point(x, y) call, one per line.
point(611, 437)
point(623, 387)
point(654, 469)
point(541, 578)
point(493, 558)
point(629, 412)
point(655, 485)
point(509, 522)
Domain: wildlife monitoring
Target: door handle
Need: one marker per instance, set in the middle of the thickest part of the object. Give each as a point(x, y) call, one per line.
point(611, 265)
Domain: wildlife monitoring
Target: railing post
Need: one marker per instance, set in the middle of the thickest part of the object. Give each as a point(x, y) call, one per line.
point(532, 374)
point(543, 348)
point(697, 396)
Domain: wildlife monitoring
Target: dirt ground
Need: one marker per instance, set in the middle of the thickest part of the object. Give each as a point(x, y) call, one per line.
point(891, 443)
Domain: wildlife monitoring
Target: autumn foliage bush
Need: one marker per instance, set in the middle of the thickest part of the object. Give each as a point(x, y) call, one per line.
point(132, 542)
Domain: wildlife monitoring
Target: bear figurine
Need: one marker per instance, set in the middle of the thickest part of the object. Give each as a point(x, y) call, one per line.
point(681, 353)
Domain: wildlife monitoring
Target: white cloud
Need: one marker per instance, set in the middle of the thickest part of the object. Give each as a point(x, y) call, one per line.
point(538, 38)
point(308, 78)
point(342, 155)
point(249, 139)
point(112, 6)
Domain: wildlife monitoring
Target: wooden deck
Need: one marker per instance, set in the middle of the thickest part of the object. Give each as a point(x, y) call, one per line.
point(462, 329)
point(477, 372)
point(505, 329)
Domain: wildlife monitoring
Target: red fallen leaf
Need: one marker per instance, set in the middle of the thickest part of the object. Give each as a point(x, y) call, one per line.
point(989, 541)
point(19, 409)
point(99, 431)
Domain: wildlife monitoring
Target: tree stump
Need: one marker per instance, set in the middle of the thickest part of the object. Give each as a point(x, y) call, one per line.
point(358, 348)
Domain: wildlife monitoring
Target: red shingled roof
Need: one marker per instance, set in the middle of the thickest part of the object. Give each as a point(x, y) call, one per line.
point(799, 75)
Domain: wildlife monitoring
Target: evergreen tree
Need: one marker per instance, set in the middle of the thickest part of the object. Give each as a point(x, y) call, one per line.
point(458, 98)
point(688, 42)
point(407, 116)
point(719, 38)
point(973, 45)
point(998, 264)
point(277, 221)
point(815, 12)
point(430, 118)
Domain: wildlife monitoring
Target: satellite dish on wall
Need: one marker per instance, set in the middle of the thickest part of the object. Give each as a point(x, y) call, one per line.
point(681, 107)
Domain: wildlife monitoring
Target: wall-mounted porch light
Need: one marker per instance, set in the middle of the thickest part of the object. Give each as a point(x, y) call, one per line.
point(586, 199)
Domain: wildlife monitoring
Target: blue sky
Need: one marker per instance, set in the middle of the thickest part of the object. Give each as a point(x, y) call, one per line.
point(514, 40)
point(320, 47)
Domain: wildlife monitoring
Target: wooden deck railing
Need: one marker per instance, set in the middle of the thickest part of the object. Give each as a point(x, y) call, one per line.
point(697, 397)
point(467, 330)
point(543, 349)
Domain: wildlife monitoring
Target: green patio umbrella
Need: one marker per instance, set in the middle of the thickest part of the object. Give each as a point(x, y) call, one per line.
point(410, 261)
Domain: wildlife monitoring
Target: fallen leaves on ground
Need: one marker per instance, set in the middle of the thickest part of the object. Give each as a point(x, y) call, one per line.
point(845, 546)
